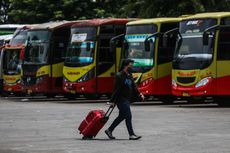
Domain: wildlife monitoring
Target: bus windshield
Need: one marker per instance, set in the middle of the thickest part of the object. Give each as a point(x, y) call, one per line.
point(80, 34)
point(191, 53)
point(135, 50)
point(36, 51)
point(19, 37)
point(11, 64)
point(80, 54)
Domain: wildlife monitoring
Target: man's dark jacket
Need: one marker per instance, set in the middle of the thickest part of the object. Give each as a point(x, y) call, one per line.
point(122, 89)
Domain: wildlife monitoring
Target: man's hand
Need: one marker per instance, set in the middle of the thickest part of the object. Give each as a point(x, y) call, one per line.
point(142, 97)
point(112, 105)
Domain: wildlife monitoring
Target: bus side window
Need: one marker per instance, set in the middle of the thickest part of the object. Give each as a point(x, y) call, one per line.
point(165, 54)
point(105, 57)
point(60, 43)
point(223, 50)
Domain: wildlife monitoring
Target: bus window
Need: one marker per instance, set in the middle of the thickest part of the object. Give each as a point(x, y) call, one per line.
point(106, 58)
point(60, 43)
point(119, 29)
point(107, 29)
point(223, 52)
point(165, 53)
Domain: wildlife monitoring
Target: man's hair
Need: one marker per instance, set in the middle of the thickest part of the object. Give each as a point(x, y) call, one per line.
point(124, 63)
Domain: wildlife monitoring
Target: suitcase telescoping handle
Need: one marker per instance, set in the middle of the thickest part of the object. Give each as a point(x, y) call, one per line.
point(109, 111)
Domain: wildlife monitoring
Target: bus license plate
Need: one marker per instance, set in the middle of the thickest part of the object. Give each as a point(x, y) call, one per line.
point(72, 91)
point(185, 94)
point(29, 91)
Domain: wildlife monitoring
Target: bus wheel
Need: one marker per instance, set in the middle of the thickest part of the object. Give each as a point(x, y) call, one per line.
point(50, 95)
point(92, 96)
point(195, 100)
point(5, 94)
point(168, 99)
point(222, 101)
point(70, 96)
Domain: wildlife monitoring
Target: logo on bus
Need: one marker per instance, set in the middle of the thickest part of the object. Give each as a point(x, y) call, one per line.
point(73, 73)
point(186, 74)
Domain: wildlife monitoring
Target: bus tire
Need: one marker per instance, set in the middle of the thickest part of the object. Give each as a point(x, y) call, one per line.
point(92, 96)
point(50, 95)
point(195, 100)
point(70, 96)
point(168, 100)
point(222, 101)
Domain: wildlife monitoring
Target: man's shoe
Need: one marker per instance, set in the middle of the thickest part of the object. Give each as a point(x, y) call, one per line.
point(109, 134)
point(134, 137)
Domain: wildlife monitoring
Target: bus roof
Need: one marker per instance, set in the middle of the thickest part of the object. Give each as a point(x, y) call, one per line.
point(208, 15)
point(98, 22)
point(53, 25)
point(10, 26)
point(154, 21)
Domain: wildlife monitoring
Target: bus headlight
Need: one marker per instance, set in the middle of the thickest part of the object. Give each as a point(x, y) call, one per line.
point(19, 81)
point(40, 78)
point(203, 82)
point(174, 83)
point(89, 75)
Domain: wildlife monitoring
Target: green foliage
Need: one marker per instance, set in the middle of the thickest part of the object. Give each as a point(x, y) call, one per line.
point(38, 11)
point(4, 7)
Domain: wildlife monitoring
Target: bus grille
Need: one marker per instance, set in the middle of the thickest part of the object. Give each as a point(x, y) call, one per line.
point(186, 79)
point(29, 81)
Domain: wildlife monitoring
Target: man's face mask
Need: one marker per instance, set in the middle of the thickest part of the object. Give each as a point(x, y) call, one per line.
point(130, 69)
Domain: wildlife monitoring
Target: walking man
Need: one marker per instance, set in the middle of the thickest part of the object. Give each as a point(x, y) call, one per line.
point(124, 92)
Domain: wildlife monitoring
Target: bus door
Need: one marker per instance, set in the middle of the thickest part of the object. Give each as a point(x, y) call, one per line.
point(59, 46)
point(223, 62)
point(165, 52)
point(105, 65)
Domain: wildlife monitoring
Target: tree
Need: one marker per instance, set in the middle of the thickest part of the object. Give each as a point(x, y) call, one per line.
point(4, 7)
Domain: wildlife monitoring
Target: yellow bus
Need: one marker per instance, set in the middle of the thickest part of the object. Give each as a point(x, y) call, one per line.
point(202, 57)
point(89, 67)
point(44, 57)
point(151, 43)
point(12, 60)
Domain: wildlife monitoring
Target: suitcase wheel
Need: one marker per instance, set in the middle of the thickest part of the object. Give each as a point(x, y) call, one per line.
point(87, 137)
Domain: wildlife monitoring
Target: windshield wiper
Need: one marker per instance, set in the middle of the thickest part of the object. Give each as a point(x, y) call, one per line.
point(178, 59)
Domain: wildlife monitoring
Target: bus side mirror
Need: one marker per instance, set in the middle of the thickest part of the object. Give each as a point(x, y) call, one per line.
point(112, 46)
point(88, 46)
point(126, 45)
point(205, 38)
point(148, 44)
point(165, 41)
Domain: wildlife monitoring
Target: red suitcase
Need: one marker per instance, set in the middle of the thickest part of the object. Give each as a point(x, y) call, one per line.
point(94, 122)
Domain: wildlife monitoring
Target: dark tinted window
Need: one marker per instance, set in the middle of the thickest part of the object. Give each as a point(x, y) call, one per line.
point(140, 29)
point(59, 44)
point(107, 29)
point(223, 52)
point(196, 25)
point(165, 52)
point(89, 31)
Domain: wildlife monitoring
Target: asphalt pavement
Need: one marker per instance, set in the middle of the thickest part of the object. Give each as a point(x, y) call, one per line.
point(50, 126)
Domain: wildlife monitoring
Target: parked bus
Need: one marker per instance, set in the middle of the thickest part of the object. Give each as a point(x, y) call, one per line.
point(6, 33)
point(89, 67)
point(202, 57)
point(151, 43)
point(12, 60)
point(44, 58)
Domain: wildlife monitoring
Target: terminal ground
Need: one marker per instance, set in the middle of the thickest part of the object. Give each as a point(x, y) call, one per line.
point(50, 126)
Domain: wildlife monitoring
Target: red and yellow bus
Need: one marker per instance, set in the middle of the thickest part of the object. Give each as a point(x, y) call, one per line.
point(6, 33)
point(202, 57)
point(89, 67)
point(12, 62)
point(150, 45)
point(44, 58)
